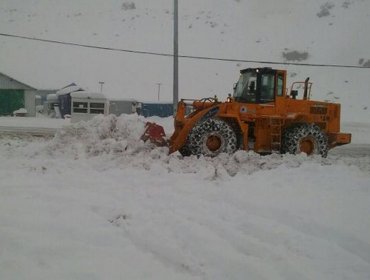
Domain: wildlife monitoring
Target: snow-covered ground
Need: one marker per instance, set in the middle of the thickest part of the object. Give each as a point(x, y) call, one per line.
point(35, 126)
point(96, 203)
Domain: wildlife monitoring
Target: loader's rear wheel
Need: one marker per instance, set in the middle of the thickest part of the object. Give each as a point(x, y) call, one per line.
point(305, 138)
point(210, 138)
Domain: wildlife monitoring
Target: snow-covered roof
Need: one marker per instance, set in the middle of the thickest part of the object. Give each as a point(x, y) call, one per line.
point(68, 89)
point(51, 97)
point(20, 84)
point(88, 95)
point(123, 100)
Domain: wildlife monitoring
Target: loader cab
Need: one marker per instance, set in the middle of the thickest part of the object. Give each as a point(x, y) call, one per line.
point(259, 85)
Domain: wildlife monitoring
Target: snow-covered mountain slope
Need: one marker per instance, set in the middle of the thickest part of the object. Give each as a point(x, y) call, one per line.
point(320, 32)
point(95, 203)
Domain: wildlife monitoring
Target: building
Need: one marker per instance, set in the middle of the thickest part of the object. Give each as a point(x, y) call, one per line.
point(86, 105)
point(65, 99)
point(15, 95)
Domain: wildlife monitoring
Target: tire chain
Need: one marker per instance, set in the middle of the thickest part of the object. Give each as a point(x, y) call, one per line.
point(292, 136)
point(194, 142)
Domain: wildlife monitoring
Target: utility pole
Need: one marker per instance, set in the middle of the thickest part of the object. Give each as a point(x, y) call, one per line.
point(175, 56)
point(101, 86)
point(159, 89)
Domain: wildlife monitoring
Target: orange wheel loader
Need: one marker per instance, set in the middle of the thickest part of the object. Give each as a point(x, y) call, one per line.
point(262, 115)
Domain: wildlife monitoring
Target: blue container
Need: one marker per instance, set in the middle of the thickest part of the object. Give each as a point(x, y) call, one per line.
point(156, 109)
point(65, 104)
point(64, 98)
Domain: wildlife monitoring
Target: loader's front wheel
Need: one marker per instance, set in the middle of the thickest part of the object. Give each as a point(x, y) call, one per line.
point(305, 138)
point(212, 137)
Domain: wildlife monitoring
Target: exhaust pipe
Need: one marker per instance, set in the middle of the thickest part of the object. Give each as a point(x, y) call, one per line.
point(306, 88)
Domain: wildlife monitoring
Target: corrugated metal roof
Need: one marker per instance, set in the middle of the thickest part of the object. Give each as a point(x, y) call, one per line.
point(8, 82)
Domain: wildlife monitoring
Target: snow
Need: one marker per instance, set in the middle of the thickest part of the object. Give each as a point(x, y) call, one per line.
point(37, 122)
point(359, 132)
point(20, 111)
point(68, 90)
point(95, 202)
point(87, 94)
point(52, 97)
point(36, 126)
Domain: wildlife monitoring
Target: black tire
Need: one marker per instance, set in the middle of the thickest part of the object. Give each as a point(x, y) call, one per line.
point(307, 138)
point(184, 150)
point(210, 138)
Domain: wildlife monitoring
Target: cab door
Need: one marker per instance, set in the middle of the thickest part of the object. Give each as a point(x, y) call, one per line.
point(280, 94)
point(267, 90)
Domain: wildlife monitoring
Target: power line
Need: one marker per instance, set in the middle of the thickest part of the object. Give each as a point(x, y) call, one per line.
point(183, 56)
point(83, 45)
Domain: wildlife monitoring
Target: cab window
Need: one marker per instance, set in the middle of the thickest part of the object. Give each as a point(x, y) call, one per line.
point(280, 84)
point(267, 88)
point(246, 88)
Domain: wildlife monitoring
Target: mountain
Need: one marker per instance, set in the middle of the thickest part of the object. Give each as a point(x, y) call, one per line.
point(310, 32)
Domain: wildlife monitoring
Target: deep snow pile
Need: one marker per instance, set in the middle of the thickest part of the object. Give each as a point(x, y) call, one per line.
point(96, 203)
point(118, 138)
point(102, 134)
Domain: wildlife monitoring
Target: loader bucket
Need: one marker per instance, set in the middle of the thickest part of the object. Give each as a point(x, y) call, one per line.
point(155, 134)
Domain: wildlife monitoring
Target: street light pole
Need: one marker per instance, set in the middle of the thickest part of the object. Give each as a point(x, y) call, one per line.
point(159, 90)
point(101, 86)
point(175, 57)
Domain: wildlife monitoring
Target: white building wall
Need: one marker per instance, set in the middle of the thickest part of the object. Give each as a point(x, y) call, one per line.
point(30, 102)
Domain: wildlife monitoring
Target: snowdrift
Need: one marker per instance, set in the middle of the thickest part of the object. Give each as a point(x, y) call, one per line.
point(97, 203)
point(118, 138)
